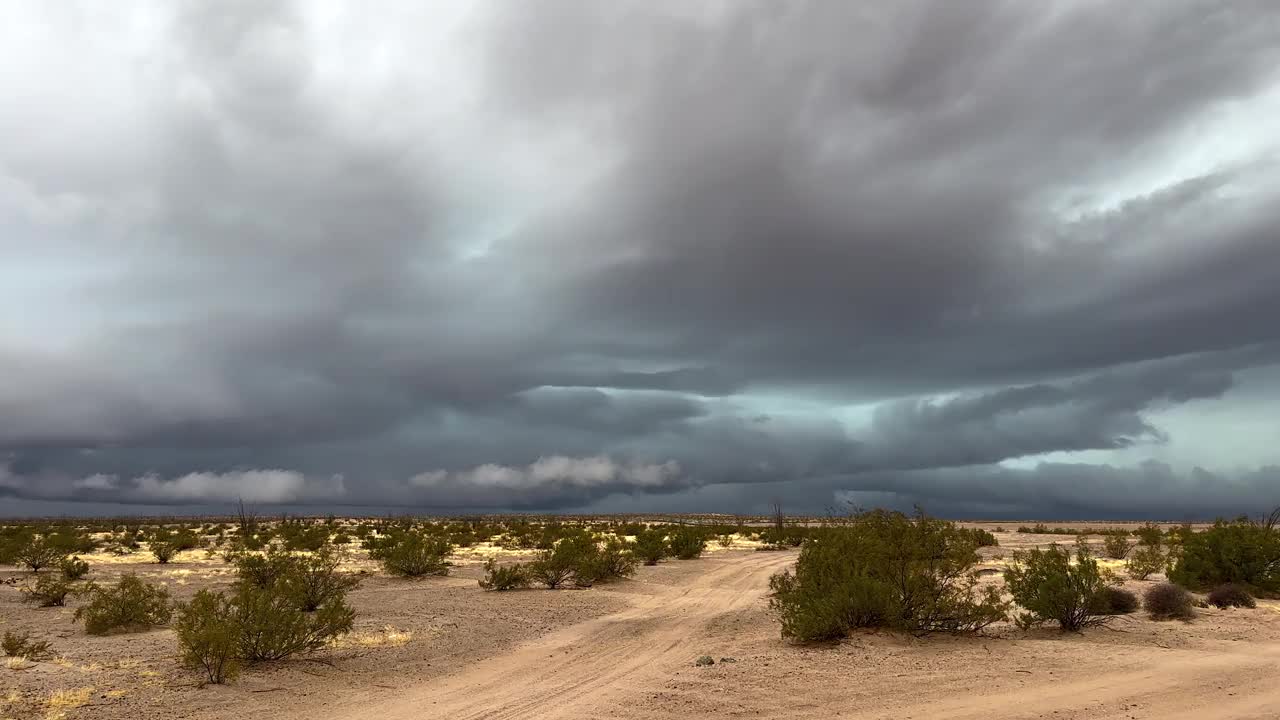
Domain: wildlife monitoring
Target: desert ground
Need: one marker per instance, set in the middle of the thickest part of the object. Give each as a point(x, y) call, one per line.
point(442, 647)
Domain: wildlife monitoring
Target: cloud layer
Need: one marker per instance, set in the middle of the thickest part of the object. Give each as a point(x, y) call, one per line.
point(631, 255)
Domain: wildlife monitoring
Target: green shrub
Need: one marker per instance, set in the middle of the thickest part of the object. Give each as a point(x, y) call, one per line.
point(980, 537)
point(1116, 545)
point(314, 579)
point(650, 546)
point(1050, 587)
point(48, 591)
point(73, 568)
point(36, 553)
point(1168, 601)
point(1230, 552)
point(22, 646)
point(1145, 561)
point(162, 550)
point(129, 606)
point(884, 570)
point(504, 577)
point(411, 554)
point(555, 567)
point(614, 561)
point(687, 543)
point(263, 570)
point(1231, 595)
point(271, 627)
point(1150, 535)
point(209, 636)
point(1115, 601)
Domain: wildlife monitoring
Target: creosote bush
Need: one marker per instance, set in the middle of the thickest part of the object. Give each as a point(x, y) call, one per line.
point(412, 554)
point(1230, 595)
point(209, 636)
point(1052, 588)
point(315, 579)
point(504, 577)
point(73, 568)
point(271, 627)
point(651, 546)
point(884, 569)
point(48, 591)
point(1168, 601)
point(687, 543)
point(36, 553)
point(1145, 561)
point(22, 646)
point(1238, 552)
point(1116, 545)
point(131, 605)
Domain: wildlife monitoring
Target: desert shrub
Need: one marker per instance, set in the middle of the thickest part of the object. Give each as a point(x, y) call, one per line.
point(341, 539)
point(1231, 595)
point(1114, 601)
point(36, 553)
point(650, 546)
point(412, 554)
point(304, 537)
point(725, 541)
point(687, 543)
point(504, 577)
point(209, 636)
point(1116, 545)
point(314, 579)
point(555, 567)
point(162, 550)
point(980, 537)
point(1150, 535)
point(22, 646)
point(1051, 588)
point(1168, 601)
point(263, 570)
point(128, 606)
point(48, 591)
point(73, 568)
point(1145, 561)
point(272, 627)
point(614, 561)
point(884, 570)
point(1230, 552)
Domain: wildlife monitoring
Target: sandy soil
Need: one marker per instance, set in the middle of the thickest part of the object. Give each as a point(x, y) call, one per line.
point(443, 648)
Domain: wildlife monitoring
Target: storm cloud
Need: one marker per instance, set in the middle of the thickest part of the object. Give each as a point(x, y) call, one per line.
point(989, 257)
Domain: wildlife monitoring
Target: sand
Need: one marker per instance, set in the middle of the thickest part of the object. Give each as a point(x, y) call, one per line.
point(442, 648)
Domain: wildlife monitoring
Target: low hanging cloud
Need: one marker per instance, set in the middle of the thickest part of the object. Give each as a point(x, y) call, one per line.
point(545, 479)
point(271, 486)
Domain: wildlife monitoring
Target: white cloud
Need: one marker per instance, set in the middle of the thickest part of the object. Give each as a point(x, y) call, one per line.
point(554, 471)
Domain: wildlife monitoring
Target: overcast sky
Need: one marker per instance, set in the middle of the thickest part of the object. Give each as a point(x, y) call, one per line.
point(1001, 259)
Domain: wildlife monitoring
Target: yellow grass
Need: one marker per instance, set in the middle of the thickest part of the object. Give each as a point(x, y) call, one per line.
point(63, 700)
point(388, 636)
point(17, 663)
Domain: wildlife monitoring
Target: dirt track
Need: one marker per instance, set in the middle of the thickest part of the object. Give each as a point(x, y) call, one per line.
point(637, 663)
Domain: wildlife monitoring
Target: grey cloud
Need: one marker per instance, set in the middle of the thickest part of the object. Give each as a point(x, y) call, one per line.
point(702, 234)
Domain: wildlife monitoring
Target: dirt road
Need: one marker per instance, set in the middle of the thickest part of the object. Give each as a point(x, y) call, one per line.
point(578, 671)
point(637, 663)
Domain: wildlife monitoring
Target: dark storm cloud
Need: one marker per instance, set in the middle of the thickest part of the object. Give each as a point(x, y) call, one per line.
point(275, 253)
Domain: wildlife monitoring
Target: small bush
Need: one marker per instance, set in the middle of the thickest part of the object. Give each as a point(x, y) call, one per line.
point(263, 570)
point(555, 567)
point(1145, 561)
point(980, 537)
point(1150, 535)
point(73, 568)
point(36, 553)
point(412, 554)
point(209, 636)
point(1115, 601)
point(1230, 595)
point(1053, 589)
point(1116, 545)
point(162, 550)
point(1238, 552)
point(271, 627)
point(1167, 601)
point(884, 570)
point(687, 543)
point(313, 580)
point(614, 561)
point(131, 605)
point(48, 591)
point(22, 646)
point(504, 577)
point(650, 546)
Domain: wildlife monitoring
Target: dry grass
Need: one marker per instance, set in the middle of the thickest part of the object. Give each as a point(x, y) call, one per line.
point(63, 700)
point(388, 636)
point(17, 663)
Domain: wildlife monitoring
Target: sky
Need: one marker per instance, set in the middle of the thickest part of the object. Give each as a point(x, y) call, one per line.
point(998, 259)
